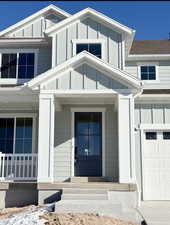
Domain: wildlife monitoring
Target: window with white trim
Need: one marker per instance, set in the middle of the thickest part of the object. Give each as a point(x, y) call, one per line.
point(16, 135)
point(17, 65)
point(93, 48)
point(148, 72)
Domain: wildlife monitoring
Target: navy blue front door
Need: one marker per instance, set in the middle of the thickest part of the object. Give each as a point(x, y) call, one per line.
point(88, 144)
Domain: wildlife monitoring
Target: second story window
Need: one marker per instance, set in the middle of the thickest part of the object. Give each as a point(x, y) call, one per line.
point(17, 65)
point(148, 72)
point(93, 48)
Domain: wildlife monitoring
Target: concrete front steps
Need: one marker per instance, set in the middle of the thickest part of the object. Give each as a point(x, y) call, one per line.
point(84, 194)
point(97, 201)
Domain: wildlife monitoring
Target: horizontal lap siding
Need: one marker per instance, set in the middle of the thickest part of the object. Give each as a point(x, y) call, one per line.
point(87, 29)
point(163, 73)
point(131, 68)
point(62, 143)
point(148, 114)
point(44, 60)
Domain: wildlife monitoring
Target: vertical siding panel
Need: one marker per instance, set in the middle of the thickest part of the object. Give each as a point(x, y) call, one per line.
point(71, 35)
point(158, 114)
point(61, 46)
point(64, 81)
point(113, 48)
point(90, 78)
point(103, 81)
point(146, 114)
point(92, 29)
point(19, 33)
point(77, 78)
point(82, 29)
point(103, 32)
point(37, 30)
point(167, 113)
point(28, 31)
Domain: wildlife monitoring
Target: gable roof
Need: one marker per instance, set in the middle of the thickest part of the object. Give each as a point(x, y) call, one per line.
point(86, 57)
point(90, 12)
point(33, 17)
point(112, 24)
point(150, 47)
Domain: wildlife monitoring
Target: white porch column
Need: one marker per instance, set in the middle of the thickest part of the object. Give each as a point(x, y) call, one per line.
point(126, 138)
point(46, 137)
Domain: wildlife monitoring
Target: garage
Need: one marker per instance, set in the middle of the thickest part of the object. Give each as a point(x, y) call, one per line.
point(156, 165)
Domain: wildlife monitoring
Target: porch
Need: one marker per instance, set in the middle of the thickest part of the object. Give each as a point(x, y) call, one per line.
point(55, 160)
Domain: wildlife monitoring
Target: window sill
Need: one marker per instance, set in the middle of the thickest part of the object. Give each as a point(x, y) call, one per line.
point(150, 81)
point(13, 81)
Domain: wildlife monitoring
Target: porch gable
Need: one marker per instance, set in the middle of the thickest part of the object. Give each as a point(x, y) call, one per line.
point(84, 77)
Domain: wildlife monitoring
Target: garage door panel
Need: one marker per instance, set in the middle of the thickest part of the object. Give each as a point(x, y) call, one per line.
point(156, 168)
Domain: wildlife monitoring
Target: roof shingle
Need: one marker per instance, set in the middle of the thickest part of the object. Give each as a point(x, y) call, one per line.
point(150, 47)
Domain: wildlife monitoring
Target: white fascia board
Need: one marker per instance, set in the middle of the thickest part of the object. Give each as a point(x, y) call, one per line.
point(86, 57)
point(148, 57)
point(153, 98)
point(155, 126)
point(90, 12)
point(25, 41)
point(34, 16)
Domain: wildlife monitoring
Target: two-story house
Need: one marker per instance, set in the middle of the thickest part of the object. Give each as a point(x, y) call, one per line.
point(81, 100)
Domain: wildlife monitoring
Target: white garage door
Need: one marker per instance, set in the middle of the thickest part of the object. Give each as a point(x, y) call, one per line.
point(156, 165)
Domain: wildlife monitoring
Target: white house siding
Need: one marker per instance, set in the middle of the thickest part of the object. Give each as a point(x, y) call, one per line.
point(44, 60)
point(131, 67)
point(62, 143)
point(84, 77)
point(34, 29)
point(87, 29)
point(148, 114)
point(163, 73)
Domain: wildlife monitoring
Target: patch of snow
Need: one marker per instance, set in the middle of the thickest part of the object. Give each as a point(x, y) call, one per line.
point(30, 217)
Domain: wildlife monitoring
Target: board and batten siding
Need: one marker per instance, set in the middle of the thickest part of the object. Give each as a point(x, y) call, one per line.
point(88, 29)
point(84, 77)
point(63, 143)
point(163, 69)
point(36, 28)
point(147, 114)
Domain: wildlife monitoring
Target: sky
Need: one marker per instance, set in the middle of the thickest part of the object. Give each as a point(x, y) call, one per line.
point(150, 19)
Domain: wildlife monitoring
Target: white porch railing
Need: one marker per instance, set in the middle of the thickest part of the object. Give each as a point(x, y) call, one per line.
point(18, 166)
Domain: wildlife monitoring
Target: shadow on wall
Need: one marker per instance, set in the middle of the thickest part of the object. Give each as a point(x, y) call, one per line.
point(21, 194)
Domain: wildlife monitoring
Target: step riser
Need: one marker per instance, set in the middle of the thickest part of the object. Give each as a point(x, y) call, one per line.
point(83, 191)
point(83, 197)
point(90, 179)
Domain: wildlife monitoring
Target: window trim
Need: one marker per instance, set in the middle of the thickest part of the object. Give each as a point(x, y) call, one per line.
point(17, 51)
point(156, 64)
point(90, 41)
point(22, 115)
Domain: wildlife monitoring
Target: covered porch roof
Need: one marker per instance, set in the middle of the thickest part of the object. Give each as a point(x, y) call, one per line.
point(126, 80)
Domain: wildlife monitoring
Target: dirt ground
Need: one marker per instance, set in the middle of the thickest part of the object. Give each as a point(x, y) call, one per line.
point(81, 219)
point(9, 212)
point(52, 218)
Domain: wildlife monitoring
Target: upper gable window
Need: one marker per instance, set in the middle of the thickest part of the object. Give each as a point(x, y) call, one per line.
point(93, 48)
point(18, 65)
point(148, 72)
